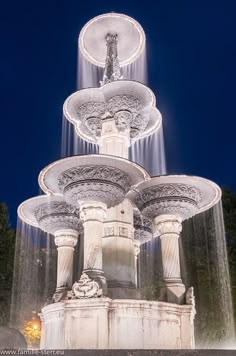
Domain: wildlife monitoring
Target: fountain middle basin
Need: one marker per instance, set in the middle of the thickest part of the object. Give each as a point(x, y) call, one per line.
point(91, 178)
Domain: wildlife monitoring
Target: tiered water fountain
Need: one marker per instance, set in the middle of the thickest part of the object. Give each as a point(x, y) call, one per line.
point(118, 206)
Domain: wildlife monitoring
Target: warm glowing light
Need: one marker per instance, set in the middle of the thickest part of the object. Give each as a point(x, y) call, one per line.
point(32, 332)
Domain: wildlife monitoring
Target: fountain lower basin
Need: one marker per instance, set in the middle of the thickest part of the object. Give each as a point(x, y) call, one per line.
point(103, 323)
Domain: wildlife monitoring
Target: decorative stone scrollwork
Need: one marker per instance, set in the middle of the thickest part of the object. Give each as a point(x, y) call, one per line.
point(169, 225)
point(85, 288)
point(55, 208)
point(126, 109)
point(124, 102)
point(94, 173)
point(182, 208)
point(94, 125)
point(54, 216)
point(66, 239)
point(86, 109)
point(108, 194)
point(123, 119)
point(172, 190)
point(89, 212)
point(90, 109)
point(169, 198)
point(105, 184)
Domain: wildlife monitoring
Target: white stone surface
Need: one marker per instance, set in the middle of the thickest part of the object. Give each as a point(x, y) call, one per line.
point(119, 252)
point(113, 141)
point(93, 214)
point(65, 241)
point(169, 228)
point(131, 38)
point(102, 323)
point(131, 103)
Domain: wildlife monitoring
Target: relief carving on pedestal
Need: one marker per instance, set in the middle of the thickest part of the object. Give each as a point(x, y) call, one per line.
point(123, 231)
point(85, 288)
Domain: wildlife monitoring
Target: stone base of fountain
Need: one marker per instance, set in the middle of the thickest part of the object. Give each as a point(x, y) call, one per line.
point(103, 323)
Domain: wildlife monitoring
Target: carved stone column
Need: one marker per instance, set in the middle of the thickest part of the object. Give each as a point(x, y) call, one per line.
point(66, 241)
point(114, 140)
point(92, 215)
point(118, 252)
point(169, 228)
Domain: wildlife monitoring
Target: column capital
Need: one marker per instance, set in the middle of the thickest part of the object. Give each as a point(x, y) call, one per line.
point(168, 224)
point(66, 238)
point(93, 211)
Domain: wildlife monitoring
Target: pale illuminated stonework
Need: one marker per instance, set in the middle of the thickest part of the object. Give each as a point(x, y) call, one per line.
point(117, 207)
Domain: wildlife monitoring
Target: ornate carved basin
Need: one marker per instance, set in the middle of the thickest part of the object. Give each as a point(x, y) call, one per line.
point(143, 227)
point(129, 32)
point(50, 213)
point(131, 103)
point(178, 195)
point(101, 178)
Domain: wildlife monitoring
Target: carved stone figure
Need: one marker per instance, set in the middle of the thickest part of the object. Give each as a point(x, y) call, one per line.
point(86, 288)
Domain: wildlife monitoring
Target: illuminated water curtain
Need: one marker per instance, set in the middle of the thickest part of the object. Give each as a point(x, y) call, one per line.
point(115, 206)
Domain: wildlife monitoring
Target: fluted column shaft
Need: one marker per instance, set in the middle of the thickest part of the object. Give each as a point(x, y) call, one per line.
point(93, 215)
point(169, 227)
point(65, 241)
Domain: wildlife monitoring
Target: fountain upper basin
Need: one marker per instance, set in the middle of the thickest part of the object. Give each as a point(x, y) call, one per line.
point(131, 103)
point(131, 38)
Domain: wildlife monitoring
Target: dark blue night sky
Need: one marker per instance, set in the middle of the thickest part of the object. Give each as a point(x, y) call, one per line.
point(191, 61)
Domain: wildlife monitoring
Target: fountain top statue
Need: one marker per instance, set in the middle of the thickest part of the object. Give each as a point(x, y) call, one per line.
point(129, 33)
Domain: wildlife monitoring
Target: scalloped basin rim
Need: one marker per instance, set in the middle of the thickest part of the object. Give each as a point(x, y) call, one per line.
point(103, 95)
